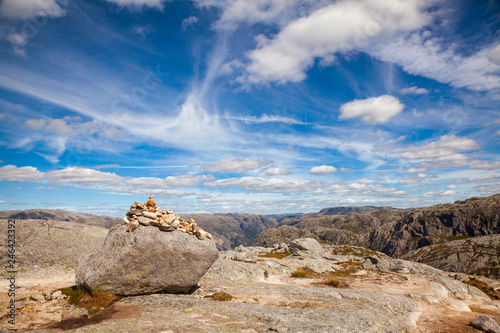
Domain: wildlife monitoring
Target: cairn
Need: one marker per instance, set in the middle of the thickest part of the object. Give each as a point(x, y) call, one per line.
point(148, 214)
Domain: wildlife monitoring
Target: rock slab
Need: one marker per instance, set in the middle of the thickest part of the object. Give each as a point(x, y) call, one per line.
point(485, 324)
point(146, 261)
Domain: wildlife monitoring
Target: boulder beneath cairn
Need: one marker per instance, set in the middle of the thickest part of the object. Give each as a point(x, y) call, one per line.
point(146, 261)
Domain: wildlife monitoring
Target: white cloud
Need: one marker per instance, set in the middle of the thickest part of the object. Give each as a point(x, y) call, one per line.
point(168, 182)
point(277, 172)
point(417, 179)
point(445, 149)
point(443, 193)
point(356, 188)
point(18, 40)
point(338, 27)
point(239, 165)
point(12, 173)
point(414, 91)
point(494, 55)
point(474, 179)
point(273, 185)
point(323, 170)
point(268, 119)
point(83, 177)
point(188, 21)
point(138, 4)
point(420, 54)
point(373, 110)
point(249, 11)
point(30, 8)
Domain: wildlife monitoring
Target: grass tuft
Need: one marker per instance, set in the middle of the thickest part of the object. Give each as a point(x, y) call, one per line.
point(275, 255)
point(484, 287)
point(94, 302)
point(221, 297)
point(300, 273)
point(333, 282)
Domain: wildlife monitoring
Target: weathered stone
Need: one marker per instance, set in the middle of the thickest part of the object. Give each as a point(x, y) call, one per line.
point(165, 227)
point(149, 215)
point(486, 324)
point(169, 218)
point(154, 223)
point(175, 224)
point(144, 220)
point(306, 244)
point(146, 261)
point(56, 294)
point(133, 225)
point(201, 234)
point(126, 220)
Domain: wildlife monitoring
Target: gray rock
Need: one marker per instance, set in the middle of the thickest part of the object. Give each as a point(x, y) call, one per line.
point(133, 225)
point(149, 215)
point(486, 324)
point(165, 227)
point(146, 261)
point(306, 244)
point(175, 224)
point(56, 294)
point(144, 220)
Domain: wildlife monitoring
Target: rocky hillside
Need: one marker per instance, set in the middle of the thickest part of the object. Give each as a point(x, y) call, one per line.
point(392, 231)
point(471, 255)
point(61, 215)
point(231, 230)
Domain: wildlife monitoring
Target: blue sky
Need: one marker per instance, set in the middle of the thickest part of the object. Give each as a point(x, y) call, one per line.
point(258, 106)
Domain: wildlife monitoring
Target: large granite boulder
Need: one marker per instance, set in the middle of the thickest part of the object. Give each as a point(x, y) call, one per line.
point(147, 261)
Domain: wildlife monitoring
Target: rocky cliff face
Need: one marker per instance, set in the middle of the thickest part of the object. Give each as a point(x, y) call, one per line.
point(472, 255)
point(231, 230)
point(392, 231)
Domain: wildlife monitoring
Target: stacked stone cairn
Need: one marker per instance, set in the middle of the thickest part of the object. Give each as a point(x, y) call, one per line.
point(148, 214)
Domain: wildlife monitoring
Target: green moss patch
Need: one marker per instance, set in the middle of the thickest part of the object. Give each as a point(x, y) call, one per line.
point(94, 302)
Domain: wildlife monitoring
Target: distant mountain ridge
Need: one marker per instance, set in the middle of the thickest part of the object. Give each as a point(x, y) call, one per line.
point(229, 230)
point(395, 232)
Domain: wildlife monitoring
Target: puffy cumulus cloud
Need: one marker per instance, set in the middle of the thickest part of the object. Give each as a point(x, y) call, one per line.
point(20, 9)
point(338, 27)
point(12, 173)
point(138, 4)
point(414, 91)
point(372, 110)
point(277, 172)
point(447, 148)
point(264, 185)
point(83, 177)
point(239, 165)
point(323, 170)
point(421, 54)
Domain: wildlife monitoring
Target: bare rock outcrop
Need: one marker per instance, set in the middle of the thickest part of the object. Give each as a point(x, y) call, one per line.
point(474, 255)
point(146, 261)
point(156, 251)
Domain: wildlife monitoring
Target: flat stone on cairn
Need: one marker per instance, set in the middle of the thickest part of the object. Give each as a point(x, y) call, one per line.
point(156, 251)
